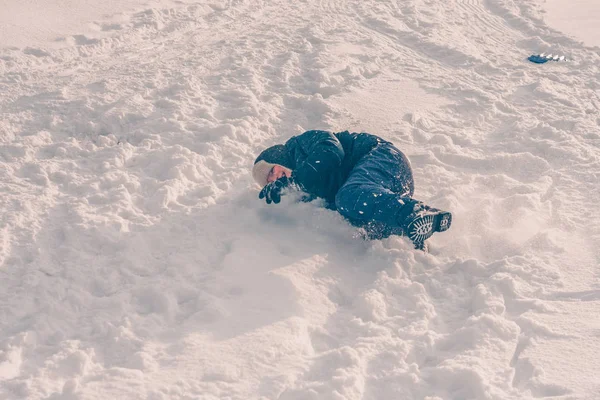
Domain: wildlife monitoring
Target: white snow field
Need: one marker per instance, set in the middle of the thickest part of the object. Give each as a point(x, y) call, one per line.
point(578, 18)
point(136, 261)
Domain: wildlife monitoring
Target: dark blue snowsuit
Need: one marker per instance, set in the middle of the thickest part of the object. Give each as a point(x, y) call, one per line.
point(367, 179)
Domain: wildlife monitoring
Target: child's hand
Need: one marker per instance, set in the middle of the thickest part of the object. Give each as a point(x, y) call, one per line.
point(272, 191)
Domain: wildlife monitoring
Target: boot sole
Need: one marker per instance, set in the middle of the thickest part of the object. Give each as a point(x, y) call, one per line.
point(426, 225)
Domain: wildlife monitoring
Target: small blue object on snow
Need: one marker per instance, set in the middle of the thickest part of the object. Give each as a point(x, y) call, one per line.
point(542, 58)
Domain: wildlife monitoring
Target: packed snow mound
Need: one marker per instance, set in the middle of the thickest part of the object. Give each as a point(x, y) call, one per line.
point(136, 261)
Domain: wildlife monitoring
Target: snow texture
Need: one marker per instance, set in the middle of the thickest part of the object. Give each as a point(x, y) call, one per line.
point(136, 261)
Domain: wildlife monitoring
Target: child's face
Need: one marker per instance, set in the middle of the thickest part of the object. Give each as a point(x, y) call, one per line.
point(278, 172)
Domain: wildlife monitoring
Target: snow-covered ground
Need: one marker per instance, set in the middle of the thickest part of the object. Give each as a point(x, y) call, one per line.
point(136, 261)
point(576, 18)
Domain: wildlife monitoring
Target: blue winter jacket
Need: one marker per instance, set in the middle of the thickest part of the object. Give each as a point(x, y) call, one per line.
point(322, 160)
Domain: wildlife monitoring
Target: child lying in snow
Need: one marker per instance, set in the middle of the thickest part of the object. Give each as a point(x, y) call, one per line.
point(362, 176)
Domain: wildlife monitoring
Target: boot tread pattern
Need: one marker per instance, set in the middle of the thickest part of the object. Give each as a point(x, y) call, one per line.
point(422, 227)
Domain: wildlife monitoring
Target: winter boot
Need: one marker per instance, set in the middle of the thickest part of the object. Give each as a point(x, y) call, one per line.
point(423, 222)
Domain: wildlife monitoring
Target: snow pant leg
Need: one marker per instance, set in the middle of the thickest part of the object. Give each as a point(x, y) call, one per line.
point(378, 192)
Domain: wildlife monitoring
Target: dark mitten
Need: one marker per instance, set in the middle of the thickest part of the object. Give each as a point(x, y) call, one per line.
point(272, 191)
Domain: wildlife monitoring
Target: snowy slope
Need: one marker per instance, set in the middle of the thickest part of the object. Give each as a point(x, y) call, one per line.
point(137, 263)
point(576, 18)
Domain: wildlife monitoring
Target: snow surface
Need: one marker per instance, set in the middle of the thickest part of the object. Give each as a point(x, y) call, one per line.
point(136, 261)
point(577, 18)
